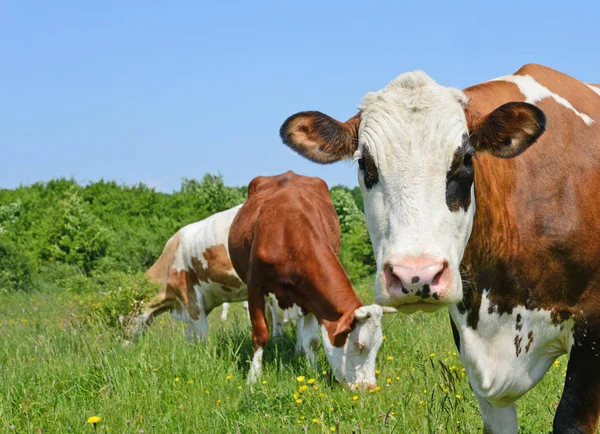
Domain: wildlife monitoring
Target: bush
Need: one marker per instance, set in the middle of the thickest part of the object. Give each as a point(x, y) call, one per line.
point(122, 296)
point(16, 268)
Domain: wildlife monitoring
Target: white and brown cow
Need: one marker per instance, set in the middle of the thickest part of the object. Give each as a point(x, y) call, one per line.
point(428, 157)
point(284, 243)
point(196, 276)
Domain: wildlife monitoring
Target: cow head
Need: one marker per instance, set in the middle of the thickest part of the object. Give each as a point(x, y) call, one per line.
point(353, 362)
point(415, 141)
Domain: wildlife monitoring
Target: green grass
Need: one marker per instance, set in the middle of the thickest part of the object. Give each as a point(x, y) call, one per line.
point(57, 369)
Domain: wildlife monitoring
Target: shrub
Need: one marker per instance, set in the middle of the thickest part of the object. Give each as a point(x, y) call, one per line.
point(121, 296)
point(16, 268)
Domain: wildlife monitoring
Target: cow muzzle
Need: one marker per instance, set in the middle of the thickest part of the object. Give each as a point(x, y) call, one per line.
point(417, 279)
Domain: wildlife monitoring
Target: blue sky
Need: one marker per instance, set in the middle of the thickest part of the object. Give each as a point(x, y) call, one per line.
point(153, 92)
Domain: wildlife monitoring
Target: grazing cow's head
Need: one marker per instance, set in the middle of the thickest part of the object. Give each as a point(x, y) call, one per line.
point(354, 362)
point(415, 142)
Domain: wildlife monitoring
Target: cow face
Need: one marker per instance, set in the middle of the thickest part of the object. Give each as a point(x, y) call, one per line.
point(415, 142)
point(354, 362)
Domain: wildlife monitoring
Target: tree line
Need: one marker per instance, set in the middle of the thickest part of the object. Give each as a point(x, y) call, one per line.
point(89, 237)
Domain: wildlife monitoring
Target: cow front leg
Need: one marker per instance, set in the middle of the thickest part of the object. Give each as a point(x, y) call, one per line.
point(498, 420)
point(307, 337)
point(225, 311)
point(579, 408)
point(198, 328)
point(260, 332)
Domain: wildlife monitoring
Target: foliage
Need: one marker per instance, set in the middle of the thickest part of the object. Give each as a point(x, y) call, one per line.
point(16, 269)
point(122, 297)
point(356, 254)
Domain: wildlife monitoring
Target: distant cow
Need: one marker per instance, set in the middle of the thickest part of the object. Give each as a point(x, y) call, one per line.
point(284, 241)
point(450, 176)
point(196, 276)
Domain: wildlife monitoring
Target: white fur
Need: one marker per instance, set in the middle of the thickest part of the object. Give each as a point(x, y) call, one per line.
point(348, 364)
point(412, 128)
point(496, 373)
point(594, 88)
point(534, 92)
point(255, 367)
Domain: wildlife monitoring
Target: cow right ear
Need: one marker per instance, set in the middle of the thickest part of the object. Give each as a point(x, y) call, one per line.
point(321, 138)
point(508, 130)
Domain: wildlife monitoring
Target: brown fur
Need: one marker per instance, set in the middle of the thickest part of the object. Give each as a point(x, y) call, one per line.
point(285, 240)
point(536, 234)
point(177, 286)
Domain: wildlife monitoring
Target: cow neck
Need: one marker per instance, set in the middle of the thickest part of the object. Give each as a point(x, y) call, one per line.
point(493, 246)
point(334, 300)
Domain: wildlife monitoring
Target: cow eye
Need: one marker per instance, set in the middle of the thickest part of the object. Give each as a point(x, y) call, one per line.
point(468, 160)
point(360, 346)
point(367, 166)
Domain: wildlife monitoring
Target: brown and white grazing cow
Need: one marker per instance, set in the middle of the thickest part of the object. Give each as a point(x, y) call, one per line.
point(428, 157)
point(284, 241)
point(196, 276)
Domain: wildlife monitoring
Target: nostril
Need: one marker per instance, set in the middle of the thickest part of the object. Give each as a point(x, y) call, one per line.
point(437, 279)
point(391, 279)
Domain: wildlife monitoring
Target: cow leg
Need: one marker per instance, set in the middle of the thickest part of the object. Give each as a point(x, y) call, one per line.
point(495, 419)
point(579, 408)
point(277, 326)
point(225, 312)
point(198, 328)
point(498, 420)
point(260, 331)
point(307, 337)
point(245, 305)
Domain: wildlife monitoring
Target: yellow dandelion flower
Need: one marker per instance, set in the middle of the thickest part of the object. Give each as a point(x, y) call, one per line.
point(384, 337)
point(324, 372)
point(311, 381)
point(300, 379)
point(378, 388)
point(425, 391)
point(154, 369)
point(388, 381)
point(458, 396)
point(332, 428)
point(322, 395)
point(206, 392)
point(390, 358)
point(303, 388)
point(176, 378)
point(421, 402)
point(331, 409)
point(432, 355)
point(218, 401)
point(239, 387)
point(190, 381)
point(298, 401)
point(316, 387)
point(445, 390)
point(94, 419)
point(355, 398)
point(264, 382)
point(397, 378)
point(372, 391)
point(315, 420)
point(377, 372)
point(453, 368)
point(296, 395)
point(229, 377)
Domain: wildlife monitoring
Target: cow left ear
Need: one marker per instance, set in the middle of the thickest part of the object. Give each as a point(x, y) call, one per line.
point(507, 131)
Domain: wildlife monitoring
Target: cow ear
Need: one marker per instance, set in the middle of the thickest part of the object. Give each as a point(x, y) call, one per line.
point(319, 137)
point(344, 326)
point(508, 130)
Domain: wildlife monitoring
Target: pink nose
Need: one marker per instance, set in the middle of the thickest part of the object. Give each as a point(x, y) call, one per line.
point(423, 276)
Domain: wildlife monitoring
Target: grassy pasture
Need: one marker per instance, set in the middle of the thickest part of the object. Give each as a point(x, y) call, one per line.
point(58, 368)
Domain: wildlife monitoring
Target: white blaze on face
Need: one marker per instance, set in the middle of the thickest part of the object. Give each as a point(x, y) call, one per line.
point(411, 130)
point(354, 363)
